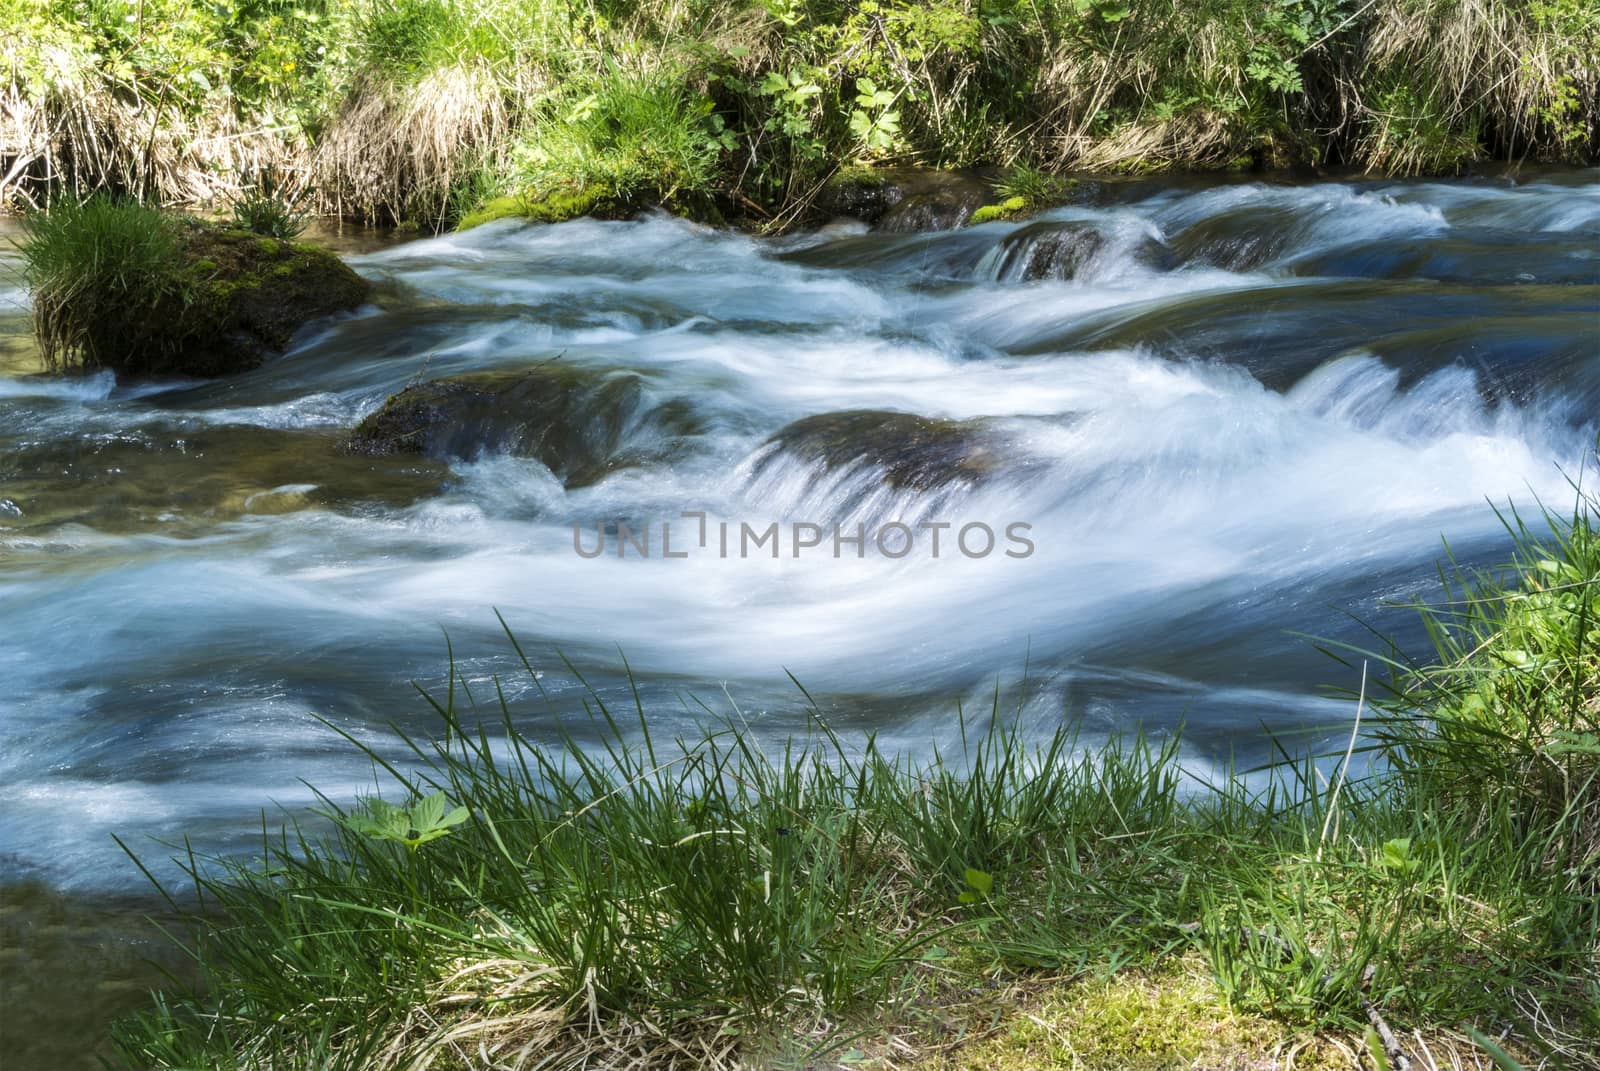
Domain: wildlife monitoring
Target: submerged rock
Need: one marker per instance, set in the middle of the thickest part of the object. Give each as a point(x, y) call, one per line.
point(183, 480)
point(913, 452)
point(1240, 240)
point(579, 423)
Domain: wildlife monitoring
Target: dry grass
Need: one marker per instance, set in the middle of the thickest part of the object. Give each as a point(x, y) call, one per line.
point(88, 133)
point(1452, 75)
point(398, 152)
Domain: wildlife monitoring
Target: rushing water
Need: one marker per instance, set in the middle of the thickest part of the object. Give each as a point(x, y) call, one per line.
point(1231, 413)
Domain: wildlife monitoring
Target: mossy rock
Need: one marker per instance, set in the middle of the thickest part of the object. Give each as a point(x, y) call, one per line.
point(860, 193)
point(595, 200)
point(234, 299)
point(931, 200)
point(557, 206)
point(579, 423)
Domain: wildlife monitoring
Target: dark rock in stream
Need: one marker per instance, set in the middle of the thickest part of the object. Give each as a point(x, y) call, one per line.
point(1054, 249)
point(579, 423)
point(1239, 240)
point(913, 452)
point(907, 199)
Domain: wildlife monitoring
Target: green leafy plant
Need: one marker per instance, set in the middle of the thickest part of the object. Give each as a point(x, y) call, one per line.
point(873, 122)
point(979, 883)
point(1395, 856)
point(428, 819)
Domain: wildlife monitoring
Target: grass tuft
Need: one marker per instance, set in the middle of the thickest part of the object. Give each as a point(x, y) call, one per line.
point(90, 264)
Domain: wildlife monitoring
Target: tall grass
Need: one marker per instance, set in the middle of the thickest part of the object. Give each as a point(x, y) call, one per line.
point(722, 900)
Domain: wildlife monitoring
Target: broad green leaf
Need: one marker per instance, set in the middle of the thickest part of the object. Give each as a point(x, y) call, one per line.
point(980, 880)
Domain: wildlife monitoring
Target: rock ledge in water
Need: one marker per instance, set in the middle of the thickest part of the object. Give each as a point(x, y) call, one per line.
point(578, 423)
point(907, 199)
point(915, 453)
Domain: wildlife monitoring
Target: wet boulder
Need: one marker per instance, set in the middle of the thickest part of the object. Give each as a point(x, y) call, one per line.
point(579, 423)
point(1244, 239)
point(907, 199)
point(912, 452)
point(860, 194)
point(1053, 249)
point(934, 201)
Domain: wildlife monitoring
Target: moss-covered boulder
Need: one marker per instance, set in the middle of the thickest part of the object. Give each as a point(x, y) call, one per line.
point(122, 286)
point(246, 297)
point(907, 199)
point(596, 200)
point(579, 423)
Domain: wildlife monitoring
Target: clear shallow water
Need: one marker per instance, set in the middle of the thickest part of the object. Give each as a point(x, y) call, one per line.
point(1254, 410)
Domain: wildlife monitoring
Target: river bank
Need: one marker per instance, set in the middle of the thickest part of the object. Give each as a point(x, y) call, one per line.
point(1021, 902)
point(419, 112)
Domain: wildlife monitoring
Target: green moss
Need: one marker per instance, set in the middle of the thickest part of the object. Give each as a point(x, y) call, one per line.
point(203, 266)
point(858, 176)
point(513, 207)
point(555, 206)
point(269, 246)
point(559, 205)
point(1171, 1020)
point(1006, 209)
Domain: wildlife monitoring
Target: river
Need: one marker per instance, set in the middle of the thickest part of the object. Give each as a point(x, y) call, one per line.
point(1228, 415)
